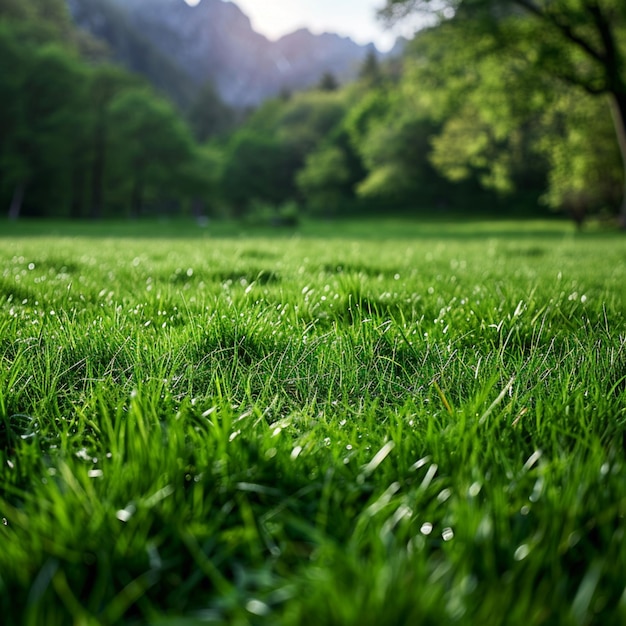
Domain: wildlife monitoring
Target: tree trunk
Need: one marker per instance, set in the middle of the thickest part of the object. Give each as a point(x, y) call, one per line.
point(16, 202)
point(618, 109)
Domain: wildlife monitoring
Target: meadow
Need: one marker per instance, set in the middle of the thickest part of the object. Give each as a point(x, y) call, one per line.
point(362, 423)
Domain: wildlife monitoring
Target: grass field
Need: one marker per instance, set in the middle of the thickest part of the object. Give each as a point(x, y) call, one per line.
point(368, 423)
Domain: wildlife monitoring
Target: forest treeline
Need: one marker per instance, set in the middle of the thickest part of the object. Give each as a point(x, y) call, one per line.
point(452, 125)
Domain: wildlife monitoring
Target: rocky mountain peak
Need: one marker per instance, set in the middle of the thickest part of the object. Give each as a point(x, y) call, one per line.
point(214, 41)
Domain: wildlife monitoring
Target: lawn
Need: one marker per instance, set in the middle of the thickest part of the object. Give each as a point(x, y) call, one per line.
point(363, 423)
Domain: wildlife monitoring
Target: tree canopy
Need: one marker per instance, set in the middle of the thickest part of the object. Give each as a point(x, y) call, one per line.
point(82, 138)
point(581, 43)
point(512, 105)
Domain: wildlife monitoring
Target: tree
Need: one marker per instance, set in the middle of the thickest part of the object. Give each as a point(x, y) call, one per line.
point(41, 98)
point(151, 143)
point(488, 114)
point(391, 131)
point(209, 115)
point(256, 169)
point(328, 82)
point(584, 159)
point(262, 158)
point(198, 179)
point(324, 177)
point(306, 120)
point(40, 21)
point(396, 154)
point(580, 42)
point(370, 71)
point(106, 83)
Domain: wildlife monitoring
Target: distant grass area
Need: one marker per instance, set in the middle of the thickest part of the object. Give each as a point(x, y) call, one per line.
point(377, 228)
point(362, 423)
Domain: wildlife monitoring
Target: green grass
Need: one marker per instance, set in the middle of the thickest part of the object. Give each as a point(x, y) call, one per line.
point(372, 423)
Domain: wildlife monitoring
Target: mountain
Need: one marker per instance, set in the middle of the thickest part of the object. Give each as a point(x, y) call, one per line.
point(109, 23)
point(179, 48)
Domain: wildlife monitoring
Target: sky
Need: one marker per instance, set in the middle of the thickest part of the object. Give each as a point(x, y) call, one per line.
point(353, 18)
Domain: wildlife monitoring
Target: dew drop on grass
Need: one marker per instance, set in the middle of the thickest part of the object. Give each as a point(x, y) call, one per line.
point(419, 464)
point(447, 534)
point(125, 514)
point(485, 528)
point(474, 489)
point(444, 495)
point(522, 552)
point(83, 455)
point(537, 490)
point(532, 459)
point(295, 453)
point(426, 528)
point(256, 607)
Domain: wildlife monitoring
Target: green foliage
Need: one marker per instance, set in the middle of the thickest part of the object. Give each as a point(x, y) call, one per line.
point(40, 19)
point(371, 73)
point(328, 82)
point(264, 158)
point(423, 424)
point(585, 171)
point(79, 139)
point(153, 141)
point(256, 168)
point(208, 115)
point(495, 102)
point(307, 119)
point(122, 43)
point(43, 102)
point(396, 153)
point(323, 178)
point(577, 44)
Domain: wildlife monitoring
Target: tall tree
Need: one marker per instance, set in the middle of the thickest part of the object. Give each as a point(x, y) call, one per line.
point(106, 83)
point(581, 42)
point(370, 71)
point(323, 178)
point(209, 116)
point(40, 104)
point(152, 144)
point(256, 168)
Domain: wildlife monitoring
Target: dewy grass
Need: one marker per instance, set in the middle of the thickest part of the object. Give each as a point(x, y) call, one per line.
point(415, 430)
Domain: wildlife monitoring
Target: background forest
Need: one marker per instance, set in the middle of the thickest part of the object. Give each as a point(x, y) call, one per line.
point(478, 114)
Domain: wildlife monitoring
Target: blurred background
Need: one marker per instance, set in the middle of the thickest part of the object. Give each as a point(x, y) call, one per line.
point(216, 110)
